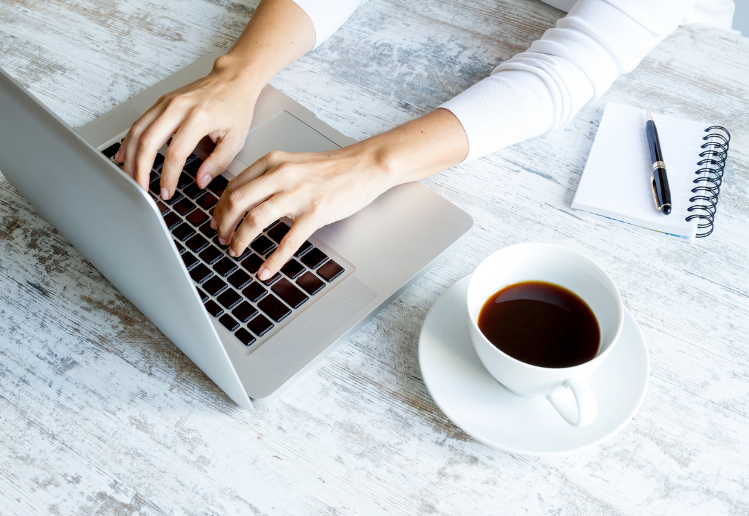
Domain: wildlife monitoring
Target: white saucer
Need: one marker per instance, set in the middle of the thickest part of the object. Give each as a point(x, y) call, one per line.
point(465, 391)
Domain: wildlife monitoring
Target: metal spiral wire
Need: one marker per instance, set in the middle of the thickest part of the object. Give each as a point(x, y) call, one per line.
point(713, 162)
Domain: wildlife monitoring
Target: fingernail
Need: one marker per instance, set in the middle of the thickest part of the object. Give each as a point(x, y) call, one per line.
point(165, 194)
point(203, 181)
point(222, 241)
point(263, 274)
point(214, 225)
point(231, 252)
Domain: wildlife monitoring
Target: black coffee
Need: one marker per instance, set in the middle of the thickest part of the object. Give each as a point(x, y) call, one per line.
point(541, 324)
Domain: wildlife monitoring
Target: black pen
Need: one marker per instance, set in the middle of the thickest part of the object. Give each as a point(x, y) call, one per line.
point(659, 179)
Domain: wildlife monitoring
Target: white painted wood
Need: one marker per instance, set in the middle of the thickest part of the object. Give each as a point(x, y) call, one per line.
point(99, 413)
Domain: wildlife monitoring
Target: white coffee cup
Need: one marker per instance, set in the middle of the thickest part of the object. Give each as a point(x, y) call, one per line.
point(568, 269)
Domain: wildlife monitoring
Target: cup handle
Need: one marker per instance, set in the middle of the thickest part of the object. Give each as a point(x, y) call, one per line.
point(587, 408)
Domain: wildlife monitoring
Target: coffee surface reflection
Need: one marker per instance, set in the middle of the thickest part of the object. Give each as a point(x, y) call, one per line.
point(541, 324)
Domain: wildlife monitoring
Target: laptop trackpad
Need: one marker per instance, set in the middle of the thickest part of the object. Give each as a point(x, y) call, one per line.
point(284, 132)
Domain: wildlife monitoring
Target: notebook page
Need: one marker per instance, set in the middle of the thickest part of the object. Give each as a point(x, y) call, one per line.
point(616, 179)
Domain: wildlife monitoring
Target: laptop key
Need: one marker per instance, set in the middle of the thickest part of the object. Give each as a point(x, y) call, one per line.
point(314, 258)
point(229, 322)
point(330, 271)
point(184, 206)
point(192, 157)
point(184, 180)
point(207, 231)
point(252, 263)
point(177, 196)
point(200, 273)
point(111, 150)
point(153, 177)
point(180, 247)
point(155, 187)
point(192, 191)
point(193, 166)
point(244, 311)
point(289, 293)
point(292, 268)
point(171, 220)
point(183, 231)
point(158, 162)
point(189, 260)
point(214, 286)
point(278, 232)
point(225, 266)
point(254, 292)
point(202, 295)
point(310, 283)
point(274, 308)
point(219, 244)
point(218, 185)
point(270, 251)
point(207, 202)
point(260, 325)
point(239, 279)
point(210, 254)
point(229, 298)
point(161, 207)
point(245, 337)
point(197, 217)
point(270, 281)
point(242, 256)
point(213, 308)
point(196, 243)
point(306, 246)
point(262, 244)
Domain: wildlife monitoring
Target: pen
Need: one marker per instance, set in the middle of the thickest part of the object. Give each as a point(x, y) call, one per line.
point(659, 179)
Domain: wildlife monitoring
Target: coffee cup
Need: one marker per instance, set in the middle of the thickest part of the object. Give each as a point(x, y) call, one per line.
point(572, 271)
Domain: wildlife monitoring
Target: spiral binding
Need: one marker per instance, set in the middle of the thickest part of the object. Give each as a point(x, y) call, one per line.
point(712, 164)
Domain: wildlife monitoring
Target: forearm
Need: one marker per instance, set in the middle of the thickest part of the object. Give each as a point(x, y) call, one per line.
point(416, 149)
point(278, 33)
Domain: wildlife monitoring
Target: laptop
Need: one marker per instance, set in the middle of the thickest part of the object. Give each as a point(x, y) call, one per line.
point(253, 339)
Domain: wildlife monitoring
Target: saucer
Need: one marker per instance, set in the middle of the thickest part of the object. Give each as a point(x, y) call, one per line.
point(480, 406)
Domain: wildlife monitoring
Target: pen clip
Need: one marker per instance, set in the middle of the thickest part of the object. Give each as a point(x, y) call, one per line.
point(655, 195)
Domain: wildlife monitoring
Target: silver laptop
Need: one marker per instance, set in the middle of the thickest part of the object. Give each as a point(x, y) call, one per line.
point(252, 338)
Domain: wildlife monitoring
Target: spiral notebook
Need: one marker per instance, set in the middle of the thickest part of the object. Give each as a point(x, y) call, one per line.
point(616, 179)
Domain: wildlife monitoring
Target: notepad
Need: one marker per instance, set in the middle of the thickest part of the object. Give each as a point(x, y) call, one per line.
point(616, 181)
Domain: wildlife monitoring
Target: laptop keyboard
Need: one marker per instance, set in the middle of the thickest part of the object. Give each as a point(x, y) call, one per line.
point(228, 286)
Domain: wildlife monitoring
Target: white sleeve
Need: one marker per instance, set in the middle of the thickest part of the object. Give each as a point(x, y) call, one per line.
point(328, 15)
point(541, 89)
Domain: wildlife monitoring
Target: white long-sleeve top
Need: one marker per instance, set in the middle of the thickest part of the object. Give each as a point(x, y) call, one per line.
point(541, 89)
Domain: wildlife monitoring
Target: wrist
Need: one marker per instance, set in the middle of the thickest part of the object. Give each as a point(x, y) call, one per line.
point(241, 71)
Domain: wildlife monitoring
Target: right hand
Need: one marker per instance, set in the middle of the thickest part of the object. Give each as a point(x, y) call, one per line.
point(219, 106)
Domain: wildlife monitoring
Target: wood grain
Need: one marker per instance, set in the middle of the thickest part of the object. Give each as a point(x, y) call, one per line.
point(101, 414)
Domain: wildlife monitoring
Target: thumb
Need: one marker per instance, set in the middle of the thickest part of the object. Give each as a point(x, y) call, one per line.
point(219, 159)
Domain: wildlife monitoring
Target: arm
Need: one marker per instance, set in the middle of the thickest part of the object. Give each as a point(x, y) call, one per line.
point(535, 92)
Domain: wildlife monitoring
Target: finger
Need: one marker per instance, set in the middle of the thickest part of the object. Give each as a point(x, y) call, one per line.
point(300, 231)
point(240, 201)
point(128, 149)
point(152, 139)
point(216, 163)
point(183, 143)
point(256, 219)
point(251, 173)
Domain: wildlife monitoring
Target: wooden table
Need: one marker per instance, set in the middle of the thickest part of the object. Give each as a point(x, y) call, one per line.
point(100, 413)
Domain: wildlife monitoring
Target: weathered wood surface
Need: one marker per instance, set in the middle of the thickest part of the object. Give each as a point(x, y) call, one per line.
point(99, 413)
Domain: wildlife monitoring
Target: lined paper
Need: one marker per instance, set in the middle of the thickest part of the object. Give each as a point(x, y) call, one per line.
point(616, 179)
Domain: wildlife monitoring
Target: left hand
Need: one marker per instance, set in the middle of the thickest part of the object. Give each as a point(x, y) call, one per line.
point(311, 188)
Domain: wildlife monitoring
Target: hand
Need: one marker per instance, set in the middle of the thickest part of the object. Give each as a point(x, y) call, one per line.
point(219, 106)
point(317, 188)
point(312, 189)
